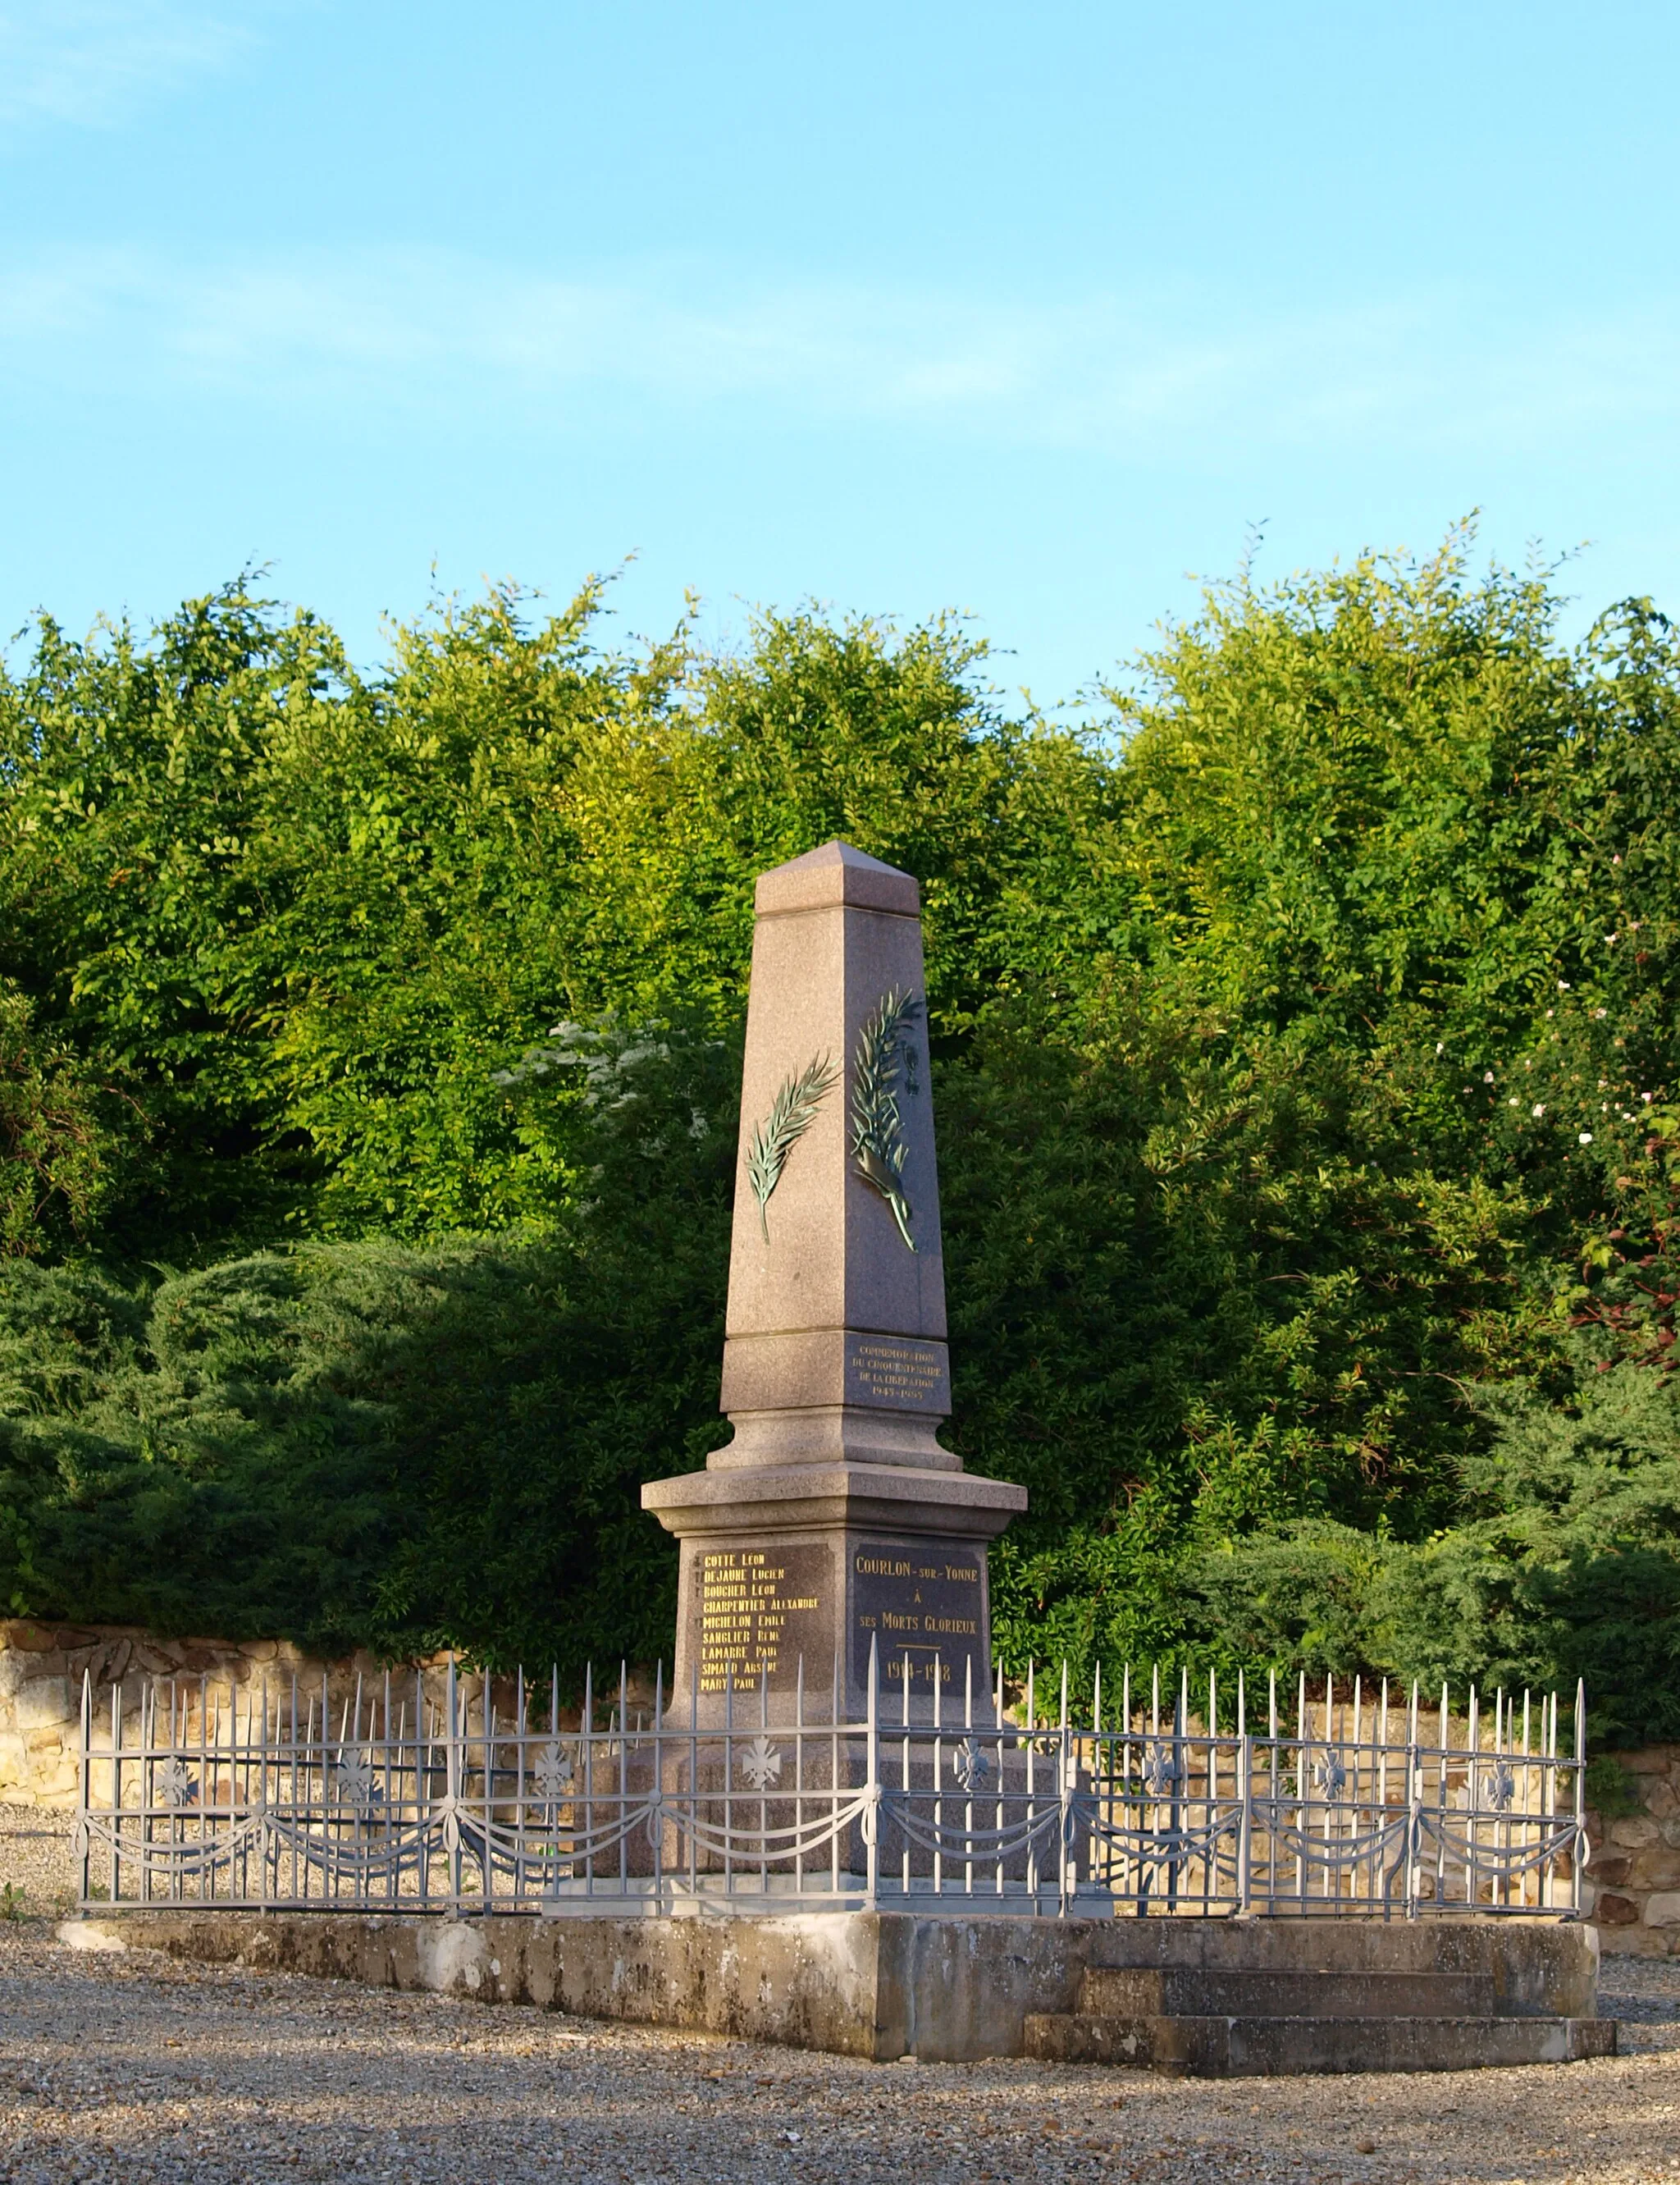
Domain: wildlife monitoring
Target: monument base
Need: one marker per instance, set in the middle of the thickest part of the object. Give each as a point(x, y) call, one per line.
point(794, 1577)
point(1211, 1997)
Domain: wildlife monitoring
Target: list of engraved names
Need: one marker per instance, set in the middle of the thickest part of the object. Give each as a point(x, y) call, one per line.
point(759, 1612)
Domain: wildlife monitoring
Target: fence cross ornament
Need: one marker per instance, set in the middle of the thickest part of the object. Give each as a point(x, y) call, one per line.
point(356, 1786)
point(180, 1785)
point(1160, 1771)
point(554, 1775)
point(761, 1763)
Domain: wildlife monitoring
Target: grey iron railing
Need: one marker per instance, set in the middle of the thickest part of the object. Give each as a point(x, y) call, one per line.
point(1360, 1803)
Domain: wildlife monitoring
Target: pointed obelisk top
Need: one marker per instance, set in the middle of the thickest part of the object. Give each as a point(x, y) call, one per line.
point(832, 874)
point(836, 1320)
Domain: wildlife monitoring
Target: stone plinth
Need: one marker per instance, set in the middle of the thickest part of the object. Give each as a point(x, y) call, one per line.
point(834, 1518)
point(955, 1987)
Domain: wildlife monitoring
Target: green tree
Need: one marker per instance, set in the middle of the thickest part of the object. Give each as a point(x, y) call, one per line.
point(58, 1141)
point(141, 840)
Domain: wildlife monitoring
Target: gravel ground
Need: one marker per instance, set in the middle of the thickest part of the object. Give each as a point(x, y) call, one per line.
point(139, 2068)
point(38, 1875)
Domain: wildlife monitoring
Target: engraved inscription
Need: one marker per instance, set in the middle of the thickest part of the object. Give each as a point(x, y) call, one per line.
point(897, 1371)
point(759, 1610)
point(922, 1605)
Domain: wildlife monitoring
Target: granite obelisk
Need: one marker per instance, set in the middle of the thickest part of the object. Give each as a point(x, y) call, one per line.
point(834, 1517)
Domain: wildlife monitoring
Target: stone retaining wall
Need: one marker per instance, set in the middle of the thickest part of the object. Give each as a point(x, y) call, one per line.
point(43, 1665)
point(1632, 1887)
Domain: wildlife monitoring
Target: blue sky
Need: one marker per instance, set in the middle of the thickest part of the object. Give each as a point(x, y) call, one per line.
point(1025, 311)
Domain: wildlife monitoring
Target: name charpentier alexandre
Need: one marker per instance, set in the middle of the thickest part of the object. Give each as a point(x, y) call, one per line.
point(746, 1598)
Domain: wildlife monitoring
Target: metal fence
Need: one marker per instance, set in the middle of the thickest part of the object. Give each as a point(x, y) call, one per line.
point(1349, 1801)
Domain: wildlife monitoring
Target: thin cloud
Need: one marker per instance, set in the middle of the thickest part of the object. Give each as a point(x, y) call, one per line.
point(454, 341)
point(90, 62)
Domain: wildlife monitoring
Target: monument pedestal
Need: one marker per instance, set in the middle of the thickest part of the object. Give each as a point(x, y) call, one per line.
point(812, 1564)
point(834, 1521)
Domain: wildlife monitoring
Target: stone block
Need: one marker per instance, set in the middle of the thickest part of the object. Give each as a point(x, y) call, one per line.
point(56, 1780)
point(1658, 1869)
point(1219, 2047)
point(1636, 1942)
point(53, 1662)
point(1662, 1909)
point(1653, 1760)
point(107, 1664)
point(1610, 1872)
point(30, 1638)
point(1661, 1799)
point(44, 1702)
point(1636, 1832)
point(1616, 1911)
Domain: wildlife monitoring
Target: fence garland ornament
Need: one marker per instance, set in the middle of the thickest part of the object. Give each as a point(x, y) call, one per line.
point(1363, 1803)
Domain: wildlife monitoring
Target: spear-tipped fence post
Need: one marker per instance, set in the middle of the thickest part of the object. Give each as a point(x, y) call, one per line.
point(624, 1773)
point(1245, 1786)
point(872, 1789)
point(1413, 1808)
point(657, 1827)
point(1067, 1770)
point(84, 1813)
point(1580, 1845)
point(453, 1786)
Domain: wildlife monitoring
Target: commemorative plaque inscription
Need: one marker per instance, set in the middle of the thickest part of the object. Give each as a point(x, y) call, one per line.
point(904, 1375)
point(922, 1605)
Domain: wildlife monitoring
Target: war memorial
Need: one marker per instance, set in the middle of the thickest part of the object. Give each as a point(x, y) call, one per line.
point(831, 1821)
point(833, 1525)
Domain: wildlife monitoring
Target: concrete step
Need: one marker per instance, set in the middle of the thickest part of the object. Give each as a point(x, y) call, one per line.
point(1525, 1955)
point(1242, 1991)
point(1218, 2047)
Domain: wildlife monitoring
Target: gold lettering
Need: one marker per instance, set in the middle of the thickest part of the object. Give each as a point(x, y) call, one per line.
point(743, 1611)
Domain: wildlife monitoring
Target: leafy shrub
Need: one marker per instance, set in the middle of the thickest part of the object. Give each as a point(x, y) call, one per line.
point(385, 1444)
